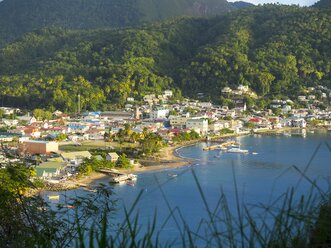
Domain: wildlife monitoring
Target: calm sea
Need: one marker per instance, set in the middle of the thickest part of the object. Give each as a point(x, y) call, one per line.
point(183, 196)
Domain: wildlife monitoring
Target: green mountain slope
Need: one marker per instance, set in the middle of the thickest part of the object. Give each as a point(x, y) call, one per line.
point(323, 4)
point(18, 17)
point(241, 4)
point(276, 50)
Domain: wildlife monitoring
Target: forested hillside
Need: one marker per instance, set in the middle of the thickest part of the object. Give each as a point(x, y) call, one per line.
point(276, 50)
point(18, 17)
point(323, 4)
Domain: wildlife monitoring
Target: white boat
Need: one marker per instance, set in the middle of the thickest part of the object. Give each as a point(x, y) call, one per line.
point(123, 178)
point(254, 153)
point(91, 190)
point(132, 177)
point(237, 150)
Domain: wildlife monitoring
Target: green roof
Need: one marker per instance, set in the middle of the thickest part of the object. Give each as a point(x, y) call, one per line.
point(48, 167)
point(74, 155)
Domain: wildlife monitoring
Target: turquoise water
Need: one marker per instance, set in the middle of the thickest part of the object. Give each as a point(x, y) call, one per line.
point(255, 178)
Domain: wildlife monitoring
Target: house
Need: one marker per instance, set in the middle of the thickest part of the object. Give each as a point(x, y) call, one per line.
point(76, 157)
point(27, 118)
point(205, 105)
point(243, 88)
point(219, 125)
point(112, 156)
point(168, 93)
point(300, 122)
point(9, 111)
point(302, 98)
point(78, 128)
point(9, 122)
point(286, 108)
point(226, 90)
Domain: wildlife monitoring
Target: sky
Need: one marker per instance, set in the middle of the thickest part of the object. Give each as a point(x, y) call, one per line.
point(299, 2)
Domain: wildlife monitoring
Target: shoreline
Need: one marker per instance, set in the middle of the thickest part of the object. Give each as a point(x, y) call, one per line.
point(168, 160)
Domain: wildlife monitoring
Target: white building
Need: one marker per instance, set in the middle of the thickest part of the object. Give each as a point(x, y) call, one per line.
point(243, 88)
point(168, 93)
point(299, 123)
point(219, 125)
point(226, 90)
point(159, 113)
point(199, 125)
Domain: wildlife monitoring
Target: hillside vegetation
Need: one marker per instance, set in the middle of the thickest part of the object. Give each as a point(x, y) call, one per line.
point(276, 50)
point(323, 4)
point(18, 17)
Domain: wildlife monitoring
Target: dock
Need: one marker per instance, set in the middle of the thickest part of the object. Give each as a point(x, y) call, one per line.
point(117, 176)
point(220, 146)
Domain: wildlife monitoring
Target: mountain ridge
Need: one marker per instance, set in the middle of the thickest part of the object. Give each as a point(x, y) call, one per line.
point(278, 51)
point(18, 17)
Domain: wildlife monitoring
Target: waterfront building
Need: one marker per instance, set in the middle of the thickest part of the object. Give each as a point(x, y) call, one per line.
point(198, 125)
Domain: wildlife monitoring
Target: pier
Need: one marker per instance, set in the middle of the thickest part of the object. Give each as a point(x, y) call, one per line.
point(220, 146)
point(116, 176)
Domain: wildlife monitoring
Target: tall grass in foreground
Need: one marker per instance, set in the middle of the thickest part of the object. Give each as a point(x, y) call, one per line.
point(289, 221)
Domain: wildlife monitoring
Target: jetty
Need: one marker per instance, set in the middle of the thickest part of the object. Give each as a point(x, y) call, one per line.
point(117, 176)
point(220, 146)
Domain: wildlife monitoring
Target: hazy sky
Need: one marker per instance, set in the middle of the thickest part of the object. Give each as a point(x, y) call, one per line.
point(300, 2)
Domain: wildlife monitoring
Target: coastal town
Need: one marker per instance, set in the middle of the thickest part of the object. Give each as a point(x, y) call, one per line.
point(57, 144)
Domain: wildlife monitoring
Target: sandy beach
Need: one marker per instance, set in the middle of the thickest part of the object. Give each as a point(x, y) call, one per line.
point(166, 158)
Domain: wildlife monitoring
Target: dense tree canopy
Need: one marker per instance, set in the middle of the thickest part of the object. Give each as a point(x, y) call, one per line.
point(274, 49)
point(17, 17)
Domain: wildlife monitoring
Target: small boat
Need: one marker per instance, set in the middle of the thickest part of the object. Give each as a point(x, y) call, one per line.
point(132, 177)
point(131, 183)
point(54, 197)
point(172, 175)
point(254, 153)
point(69, 206)
point(237, 150)
point(91, 190)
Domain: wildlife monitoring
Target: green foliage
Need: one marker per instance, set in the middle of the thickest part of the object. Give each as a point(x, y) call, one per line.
point(250, 125)
point(277, 111)
point(315, 123)
point(93, 164)
point(61, 137)
point(274, 49)
point(123, 162)
point(226, 131)
point(82, 14)
point(41, 114)
point(186, 136)
point(151, 143)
